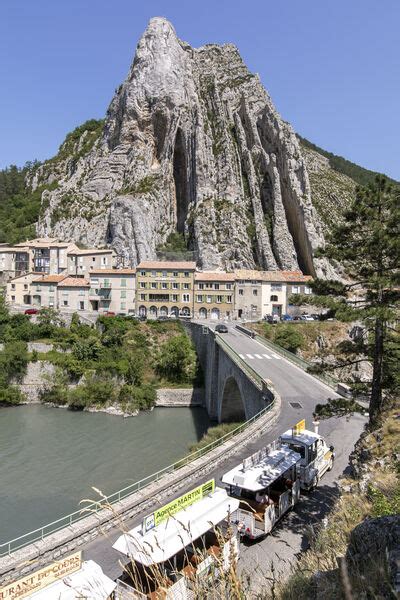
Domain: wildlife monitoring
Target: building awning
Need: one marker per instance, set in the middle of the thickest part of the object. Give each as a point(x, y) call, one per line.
point(88, 582)
point(178, 531)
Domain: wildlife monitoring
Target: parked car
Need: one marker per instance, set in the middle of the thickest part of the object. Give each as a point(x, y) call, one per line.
point(316, 317)
point(307, 318)
point(297, 318)
point(286, 318)
point(31, 311)
point(109, 313)
point(221, 328)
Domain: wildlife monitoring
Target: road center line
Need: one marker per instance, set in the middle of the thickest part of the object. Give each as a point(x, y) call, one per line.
point(249, 355)
point(267, 356)
point(258, 356)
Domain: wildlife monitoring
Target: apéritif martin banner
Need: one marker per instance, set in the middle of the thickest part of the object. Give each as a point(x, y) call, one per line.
point(41, 579)
point(178, 504)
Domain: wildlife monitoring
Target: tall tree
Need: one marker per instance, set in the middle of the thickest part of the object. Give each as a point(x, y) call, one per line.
point(367, 243)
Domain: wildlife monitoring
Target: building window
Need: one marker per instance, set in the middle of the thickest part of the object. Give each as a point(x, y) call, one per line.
point(229, 299)
point(276, 287)
point(25, 286)
point(201, 286)
point(185, 297)
point(209, 299)
point(164, 286)
point(219, 299)
point(175, 286)
point(174, 297)
point(228, 286)
point(216, 286)
point(95, 281)
point(104, 260)
point(153, 285)
point(240, 292)
point(12, 298)
point(164, 273)
point(186, 273)
point(93, 259)
point(295, 289)
point(143, 273)
point(255, 292)
point(307, 289)
point(123, 293)
point(123, 282)
point(65, 302)
point(13, 286)
point(107, 283)
point(274, 298)
point(143, 296)
point(199, 298)
point(51, 288)
point(123, 305)
point(81, 292)
point(153, 274)
point(142, 285)
point(175, 273)
point(186, 286)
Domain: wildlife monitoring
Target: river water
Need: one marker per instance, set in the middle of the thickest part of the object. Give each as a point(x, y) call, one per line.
point(50, 458)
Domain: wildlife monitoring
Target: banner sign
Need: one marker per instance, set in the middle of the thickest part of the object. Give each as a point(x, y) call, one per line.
point(41, 579)
point(176, 505)
point(299, 427)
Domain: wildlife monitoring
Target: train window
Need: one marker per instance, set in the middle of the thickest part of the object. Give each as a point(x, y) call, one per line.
point(299, 449)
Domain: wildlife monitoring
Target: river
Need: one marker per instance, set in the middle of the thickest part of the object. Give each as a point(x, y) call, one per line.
point(50, 458)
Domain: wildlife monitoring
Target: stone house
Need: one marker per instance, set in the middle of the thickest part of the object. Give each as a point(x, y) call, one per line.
point(213, 295)
point(165, 288)
point(73, 293)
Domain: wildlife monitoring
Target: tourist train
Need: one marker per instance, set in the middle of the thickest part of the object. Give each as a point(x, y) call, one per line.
point(192, 542)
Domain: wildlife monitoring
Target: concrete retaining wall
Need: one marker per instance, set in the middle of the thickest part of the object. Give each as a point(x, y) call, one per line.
point(180, 397)
point(69, 539)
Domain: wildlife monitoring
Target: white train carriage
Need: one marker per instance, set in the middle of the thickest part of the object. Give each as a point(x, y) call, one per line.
point(181, 547)
point(267, 486)
point(316, 456)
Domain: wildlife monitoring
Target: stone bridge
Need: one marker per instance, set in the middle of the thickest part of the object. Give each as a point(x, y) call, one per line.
point(233, 391)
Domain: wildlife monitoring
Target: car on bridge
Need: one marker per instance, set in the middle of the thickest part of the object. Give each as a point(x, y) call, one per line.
point(221, 328)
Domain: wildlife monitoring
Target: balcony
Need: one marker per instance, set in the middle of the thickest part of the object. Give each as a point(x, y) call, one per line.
point(102, 293)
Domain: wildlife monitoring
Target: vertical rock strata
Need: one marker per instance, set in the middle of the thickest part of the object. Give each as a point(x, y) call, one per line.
point(192, 144)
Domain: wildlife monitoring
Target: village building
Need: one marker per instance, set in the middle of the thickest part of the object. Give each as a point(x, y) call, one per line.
point(165, 288)
point(213, 295)
point(82, 262)
point(44, 290)
point(21, 290)
point(112, 290)
point(73, 293)
point(48, 255)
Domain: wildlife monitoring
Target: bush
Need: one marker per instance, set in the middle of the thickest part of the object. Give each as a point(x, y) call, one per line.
point(13, 360)
point(10, 395)
point(137, 398)
point(176, 360)
point(289, 338)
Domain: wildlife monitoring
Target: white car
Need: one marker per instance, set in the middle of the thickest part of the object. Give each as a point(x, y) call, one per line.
point(307, 318)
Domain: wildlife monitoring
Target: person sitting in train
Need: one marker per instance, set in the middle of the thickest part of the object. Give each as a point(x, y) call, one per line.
point(262, 497)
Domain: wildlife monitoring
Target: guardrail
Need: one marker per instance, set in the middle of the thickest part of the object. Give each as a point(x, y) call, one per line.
point(300, 362)
point(250, 332)
point(255, 377)
point(39, 534)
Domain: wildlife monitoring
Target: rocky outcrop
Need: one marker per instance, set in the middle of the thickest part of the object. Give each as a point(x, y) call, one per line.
point(192, 143)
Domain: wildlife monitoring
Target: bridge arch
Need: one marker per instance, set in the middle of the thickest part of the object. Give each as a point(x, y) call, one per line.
point(232, 404)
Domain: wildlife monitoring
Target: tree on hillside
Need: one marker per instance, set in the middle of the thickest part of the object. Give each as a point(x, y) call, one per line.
point(367, 243)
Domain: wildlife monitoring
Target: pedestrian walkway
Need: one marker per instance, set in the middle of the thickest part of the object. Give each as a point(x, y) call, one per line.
point(260, 356)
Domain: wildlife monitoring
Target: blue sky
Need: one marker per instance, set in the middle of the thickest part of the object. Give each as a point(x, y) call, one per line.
point(331, 68)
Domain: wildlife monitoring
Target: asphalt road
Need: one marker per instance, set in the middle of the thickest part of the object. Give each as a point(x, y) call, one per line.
point(300, 393)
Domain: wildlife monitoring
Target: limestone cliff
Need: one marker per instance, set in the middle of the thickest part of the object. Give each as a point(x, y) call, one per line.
point(192, 144)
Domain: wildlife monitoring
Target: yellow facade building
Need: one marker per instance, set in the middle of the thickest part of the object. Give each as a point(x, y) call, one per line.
point(165, 288)
point(213, 295)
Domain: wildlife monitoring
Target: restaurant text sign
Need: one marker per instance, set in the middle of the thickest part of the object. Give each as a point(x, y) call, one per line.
point(40, 579)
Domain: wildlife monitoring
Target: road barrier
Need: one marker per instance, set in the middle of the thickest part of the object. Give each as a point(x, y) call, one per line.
point(250, 332)
point(255, 377)
point(42, 532)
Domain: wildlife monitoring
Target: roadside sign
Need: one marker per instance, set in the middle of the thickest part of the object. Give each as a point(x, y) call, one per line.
point(24, 587)
point(299, 427)
point(163, 513)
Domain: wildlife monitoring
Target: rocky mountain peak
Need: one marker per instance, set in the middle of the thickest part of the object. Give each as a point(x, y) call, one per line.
point(193, 145)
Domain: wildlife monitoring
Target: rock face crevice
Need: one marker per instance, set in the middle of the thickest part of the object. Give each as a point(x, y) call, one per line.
point(192, 144)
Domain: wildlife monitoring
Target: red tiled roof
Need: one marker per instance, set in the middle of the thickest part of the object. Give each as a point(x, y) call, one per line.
point(214, 276)
point(74, 282)
point(51, 278)
point(113, 271)
point(167, 265)
point(278, 276)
